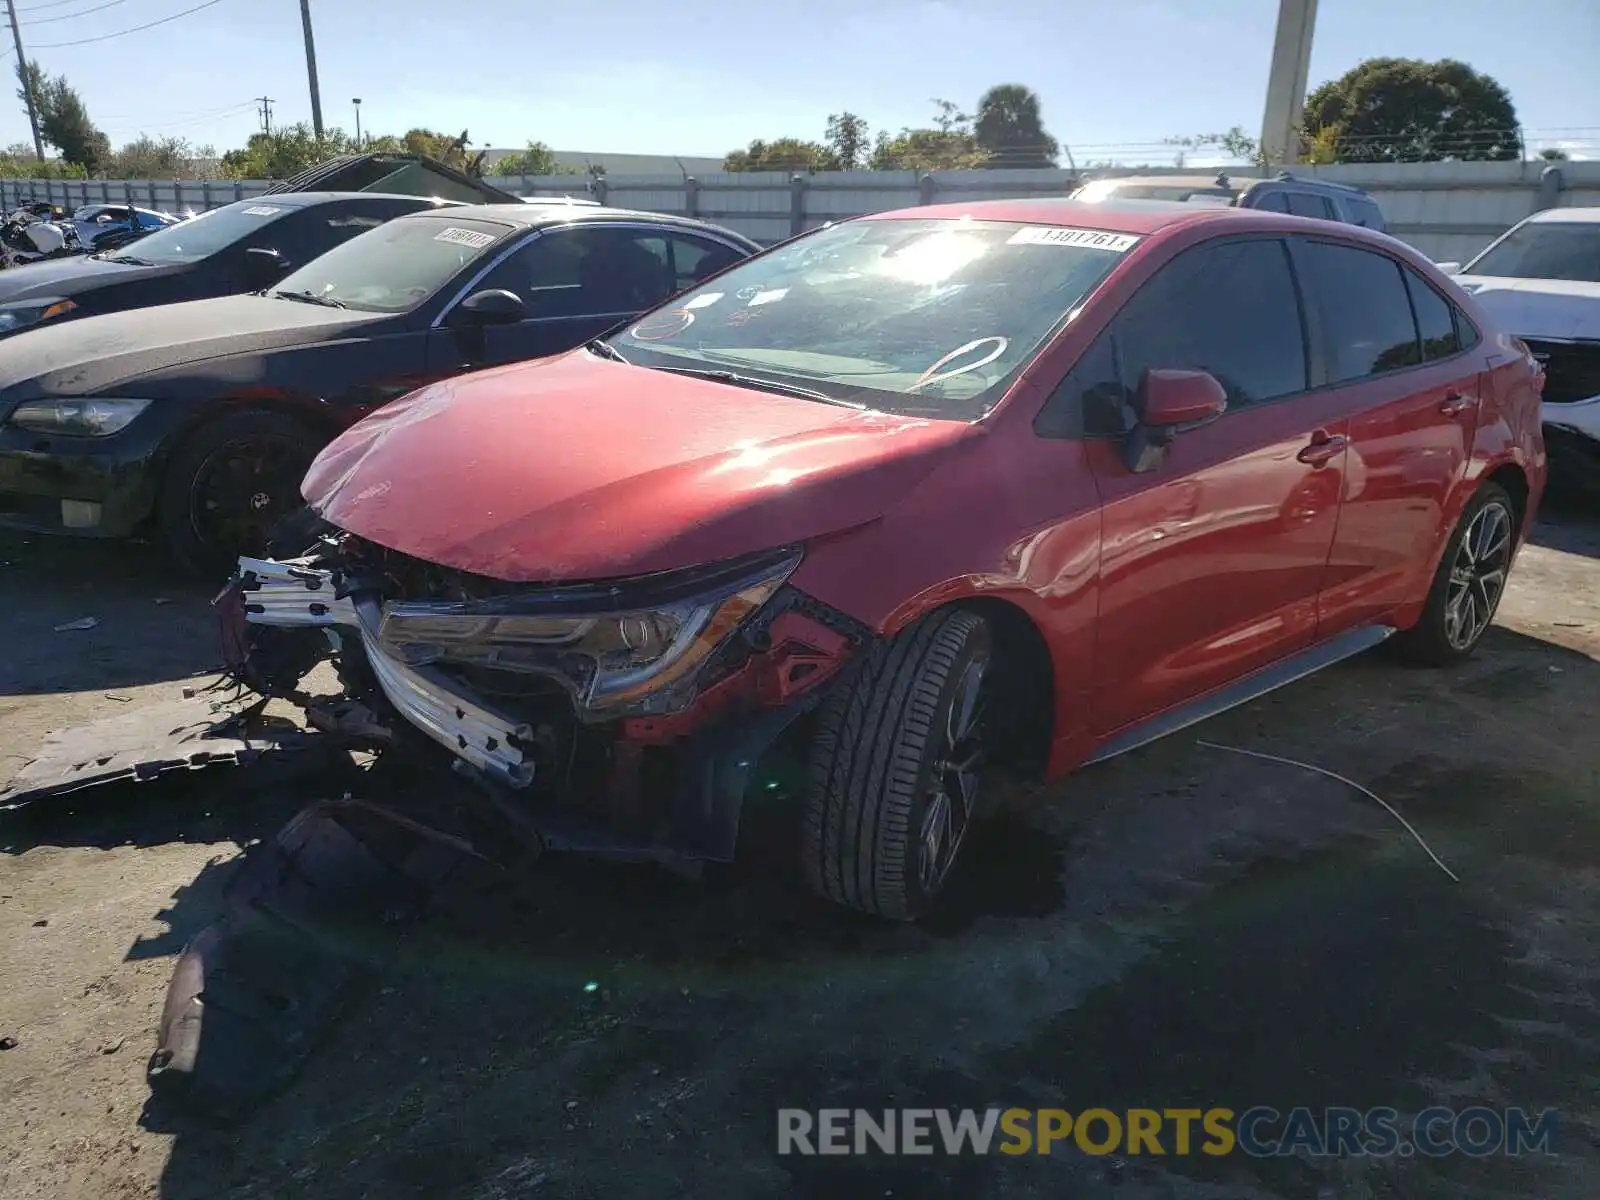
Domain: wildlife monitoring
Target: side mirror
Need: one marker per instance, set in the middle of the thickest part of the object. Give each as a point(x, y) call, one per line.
point(1170, 401)
point(1449, 268)
point(495, 306)
point(263, 267)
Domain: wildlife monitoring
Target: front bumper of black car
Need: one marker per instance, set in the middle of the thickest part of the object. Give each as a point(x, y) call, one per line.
point(82, 486)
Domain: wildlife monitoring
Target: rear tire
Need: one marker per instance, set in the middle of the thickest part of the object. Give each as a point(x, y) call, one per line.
point(230, 482)
point(894, 768)
point(1467, 587)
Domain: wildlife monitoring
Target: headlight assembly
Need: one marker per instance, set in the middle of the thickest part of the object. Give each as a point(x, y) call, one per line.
point(87, 417)
point(20, 316)
point(613, 657)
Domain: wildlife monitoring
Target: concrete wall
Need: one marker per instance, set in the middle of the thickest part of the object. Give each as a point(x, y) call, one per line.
point(1446, 210)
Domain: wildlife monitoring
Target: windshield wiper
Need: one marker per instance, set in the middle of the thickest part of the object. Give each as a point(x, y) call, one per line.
point(762, 385)
point(133, 260)
point(605, 350)
point(311, 298)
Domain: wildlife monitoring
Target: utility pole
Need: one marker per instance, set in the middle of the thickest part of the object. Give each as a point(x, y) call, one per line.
point(311, 68)
point(1286, 85)
point(357, 102)
point(33, 115)
point(266, 114)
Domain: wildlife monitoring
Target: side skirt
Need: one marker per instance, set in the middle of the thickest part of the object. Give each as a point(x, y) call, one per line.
point(1258, 683)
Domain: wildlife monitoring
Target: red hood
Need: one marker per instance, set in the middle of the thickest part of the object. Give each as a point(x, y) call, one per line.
point(577, 468)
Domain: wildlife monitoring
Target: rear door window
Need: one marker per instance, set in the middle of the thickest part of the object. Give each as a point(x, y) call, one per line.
point(1364, 307)
point(1436, 319)
point(1228, 308)
point(1307, 204)
point(588, 270)
point(694, 260)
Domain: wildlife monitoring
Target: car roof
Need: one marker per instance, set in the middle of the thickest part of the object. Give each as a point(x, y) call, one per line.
point(1147, 218)
point(306, 199)
point(1300, 181)
point(1177, 181)
point(532, 216)
point(1115, 216)
point(1574, 215)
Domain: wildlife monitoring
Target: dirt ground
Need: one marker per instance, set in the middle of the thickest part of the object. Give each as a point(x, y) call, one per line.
point(1181, 927)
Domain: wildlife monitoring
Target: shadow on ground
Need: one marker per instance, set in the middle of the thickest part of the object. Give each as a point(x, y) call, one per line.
point(1176, 928)
point(152, 623)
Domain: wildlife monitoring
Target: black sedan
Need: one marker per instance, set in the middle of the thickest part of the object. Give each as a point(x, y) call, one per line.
point(232, 249)
point(197, 421)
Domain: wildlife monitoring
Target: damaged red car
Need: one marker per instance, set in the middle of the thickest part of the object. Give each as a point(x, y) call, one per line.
point(916, 498)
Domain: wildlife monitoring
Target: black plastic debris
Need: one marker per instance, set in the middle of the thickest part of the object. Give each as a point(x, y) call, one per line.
point(307, 919)
point(195, 732)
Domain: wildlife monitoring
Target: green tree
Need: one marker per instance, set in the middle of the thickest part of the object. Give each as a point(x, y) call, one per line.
point(1010, 130)
point(949, 146)
point(18, 162)
point(63, 119)
point(284, 152)
point(1235, 143)
point(162, 158)
point(1405, 110)
point(784, 154)
point(537, 159)
point(1554, 154)
point(847, 139)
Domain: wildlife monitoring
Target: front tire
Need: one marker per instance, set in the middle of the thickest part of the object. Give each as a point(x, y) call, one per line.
point(894, 768)
point(230, 483)
point(1469, 583)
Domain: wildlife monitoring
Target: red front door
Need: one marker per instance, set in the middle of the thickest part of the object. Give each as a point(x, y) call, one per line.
point(1211, 563)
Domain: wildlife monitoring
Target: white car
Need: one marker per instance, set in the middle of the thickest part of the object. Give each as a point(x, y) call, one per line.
point(1541, 280)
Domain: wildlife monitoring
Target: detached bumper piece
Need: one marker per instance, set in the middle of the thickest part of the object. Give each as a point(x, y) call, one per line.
point(285, 594)
point(303, 922)
point(181, 735)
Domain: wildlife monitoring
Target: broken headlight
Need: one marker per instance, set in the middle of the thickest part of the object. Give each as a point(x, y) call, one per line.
point(636, 646)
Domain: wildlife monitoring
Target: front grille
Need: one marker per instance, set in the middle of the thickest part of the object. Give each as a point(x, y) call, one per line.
point(1572, 369)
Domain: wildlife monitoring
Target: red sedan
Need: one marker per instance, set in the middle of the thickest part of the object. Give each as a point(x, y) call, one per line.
point(921, 496)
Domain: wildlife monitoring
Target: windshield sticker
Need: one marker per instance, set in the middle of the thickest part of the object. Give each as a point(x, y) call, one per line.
point(768, 297)
point(705, 301)
point(663, 325)
point(261, 210)
point(1056, 235)
point(465, 237)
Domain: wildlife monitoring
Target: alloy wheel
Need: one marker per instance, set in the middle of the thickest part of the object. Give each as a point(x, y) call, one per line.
point(953, 783)
point(243, 489)
point(1478, 575)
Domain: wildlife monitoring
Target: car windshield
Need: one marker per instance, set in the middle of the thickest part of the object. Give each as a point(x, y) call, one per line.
point(204, 235)
point(924, 317)
point(394, 267)
point(1544, 250)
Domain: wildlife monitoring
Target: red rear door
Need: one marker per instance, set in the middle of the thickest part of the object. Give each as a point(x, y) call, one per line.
point(1400, 358)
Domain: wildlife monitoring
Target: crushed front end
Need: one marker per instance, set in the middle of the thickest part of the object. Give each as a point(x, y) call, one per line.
point(623, 718)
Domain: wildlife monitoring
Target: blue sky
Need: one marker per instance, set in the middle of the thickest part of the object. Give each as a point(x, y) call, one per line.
point(640, 76)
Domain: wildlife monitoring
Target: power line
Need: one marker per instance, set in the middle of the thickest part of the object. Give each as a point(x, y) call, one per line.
point(74, 16)
point(41, 7)
point(105, 37)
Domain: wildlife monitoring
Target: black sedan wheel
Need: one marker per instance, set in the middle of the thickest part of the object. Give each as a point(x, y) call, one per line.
point(229, 486)
point(895, 766)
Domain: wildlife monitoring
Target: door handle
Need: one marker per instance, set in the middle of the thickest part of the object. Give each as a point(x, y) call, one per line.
point(1323, 450)
point(1455, 404)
